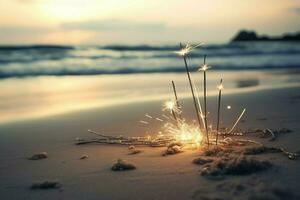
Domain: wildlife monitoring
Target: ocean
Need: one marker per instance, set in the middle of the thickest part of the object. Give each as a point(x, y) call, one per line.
point(38, 81)
point(41, 60)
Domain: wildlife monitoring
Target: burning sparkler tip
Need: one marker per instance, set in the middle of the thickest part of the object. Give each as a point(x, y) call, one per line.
point(169, 105)
point(184, 51)
point(204, 67)
point(220, 87)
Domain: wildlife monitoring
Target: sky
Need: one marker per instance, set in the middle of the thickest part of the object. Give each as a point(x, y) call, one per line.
point(142, 21)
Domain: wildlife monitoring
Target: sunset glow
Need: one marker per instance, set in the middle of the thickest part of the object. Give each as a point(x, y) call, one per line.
point(94, 21)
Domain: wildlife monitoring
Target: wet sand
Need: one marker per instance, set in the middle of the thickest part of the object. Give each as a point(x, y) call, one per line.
point(156, 177)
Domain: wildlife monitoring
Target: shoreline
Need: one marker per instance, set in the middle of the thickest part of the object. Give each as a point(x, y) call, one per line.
point(74, 97)
point(156, 99)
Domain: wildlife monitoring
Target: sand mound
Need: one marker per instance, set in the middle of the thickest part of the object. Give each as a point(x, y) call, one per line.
point(122, 165)
point(177, 143)
point(260, 150)
point(216, 151)
point(171, 150)
point(133, 150)
point(39, 156)
point(84, 157)
point(46, 185)
point(234, 166)
point(202, 161)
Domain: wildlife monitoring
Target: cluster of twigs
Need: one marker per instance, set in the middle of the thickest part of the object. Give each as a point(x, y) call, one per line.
point(159, 141)
point(166, 140)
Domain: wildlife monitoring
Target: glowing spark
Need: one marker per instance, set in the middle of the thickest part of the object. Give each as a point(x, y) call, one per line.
point(158, 119)
point(169, 105)
point(204, 67)
point(144, 122)
point(220, 87)
point(185, 133)
point(149, 116)
point(165, 116)
point(184, 51)
point(237, 121)
point(187, 49)
point(228, 107)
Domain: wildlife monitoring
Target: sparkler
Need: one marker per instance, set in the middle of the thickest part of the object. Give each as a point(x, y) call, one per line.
point(175, 94)
point(183, 132)
point(183, 52)
point(237, 121)
point(176, 98)
point(199, 103)
point(187, 49)
point(220, 87)
point(204, 68)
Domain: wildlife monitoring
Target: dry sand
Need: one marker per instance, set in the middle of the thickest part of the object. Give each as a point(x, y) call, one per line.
point(156, 177)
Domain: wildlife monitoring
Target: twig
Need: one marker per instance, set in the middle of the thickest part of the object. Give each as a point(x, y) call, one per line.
point(105, 136)
point(176, 98)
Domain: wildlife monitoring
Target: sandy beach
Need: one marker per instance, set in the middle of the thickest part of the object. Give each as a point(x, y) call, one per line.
point(156, 176)
point(149, 100)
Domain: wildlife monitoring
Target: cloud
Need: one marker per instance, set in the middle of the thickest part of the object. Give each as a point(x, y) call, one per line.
point(31, 1)
point(22, 30)
point(21, 34)
point(113, 25)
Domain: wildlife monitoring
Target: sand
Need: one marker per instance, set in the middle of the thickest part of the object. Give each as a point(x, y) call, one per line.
point(155, 176)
